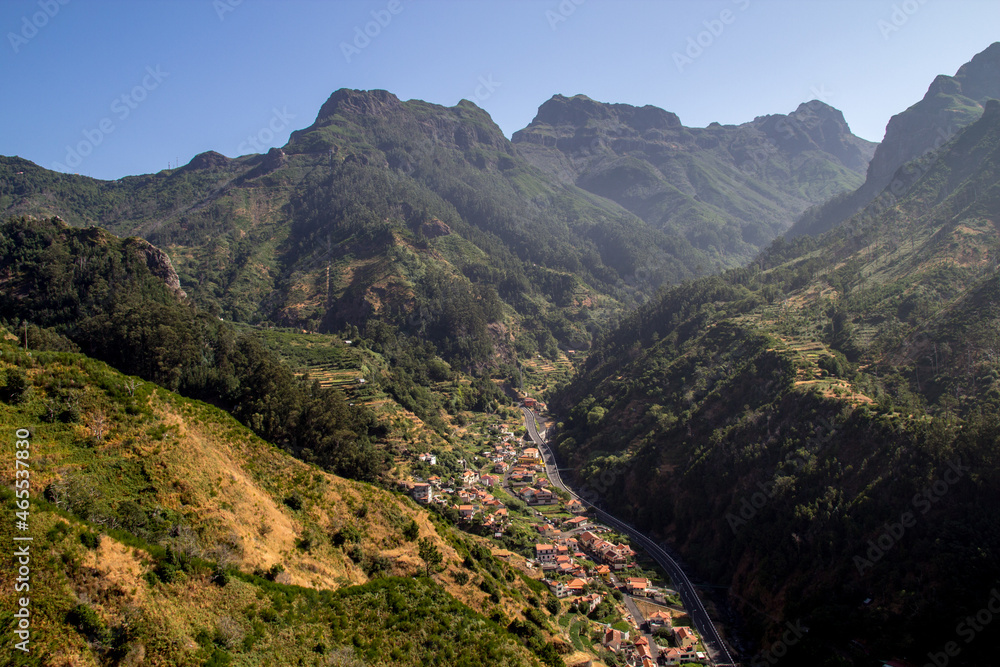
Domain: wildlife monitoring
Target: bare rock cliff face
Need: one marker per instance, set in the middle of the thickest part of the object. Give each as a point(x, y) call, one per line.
point(159, 265)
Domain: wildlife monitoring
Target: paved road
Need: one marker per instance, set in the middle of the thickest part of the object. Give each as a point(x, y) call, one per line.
point(702, 622)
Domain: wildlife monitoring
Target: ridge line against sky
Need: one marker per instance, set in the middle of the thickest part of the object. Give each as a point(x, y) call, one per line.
point(110, 89)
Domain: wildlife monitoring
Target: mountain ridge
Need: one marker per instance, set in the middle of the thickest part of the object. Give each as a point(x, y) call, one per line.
point(774, 420)
point(950, 104)
point(728, 190)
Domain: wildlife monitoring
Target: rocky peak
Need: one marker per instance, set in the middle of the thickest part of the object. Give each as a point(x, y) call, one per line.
point(578, 110)
point(948, 106)
point(944, 85)
point(206, 160)
point(820, 110)
point(358, 102)
point(980, 77)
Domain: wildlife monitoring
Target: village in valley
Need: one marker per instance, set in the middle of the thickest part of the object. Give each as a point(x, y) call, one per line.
point(615, 602)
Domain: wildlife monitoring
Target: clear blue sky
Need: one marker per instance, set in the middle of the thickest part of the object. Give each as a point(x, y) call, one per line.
point(140, 85)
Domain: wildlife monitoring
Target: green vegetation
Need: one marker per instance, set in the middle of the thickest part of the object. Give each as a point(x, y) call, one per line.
point(722, 192)
point(175, 535)
point(779, 419)
point(366, 218)
point(99, 292)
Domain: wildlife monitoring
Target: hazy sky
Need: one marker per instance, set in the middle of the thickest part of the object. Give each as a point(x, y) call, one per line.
point(116, 88)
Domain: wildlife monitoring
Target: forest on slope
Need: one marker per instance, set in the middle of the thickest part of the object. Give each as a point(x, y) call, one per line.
point(780, 422)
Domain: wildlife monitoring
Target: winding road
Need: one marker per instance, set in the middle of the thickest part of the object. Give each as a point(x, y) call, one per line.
point(689, 596)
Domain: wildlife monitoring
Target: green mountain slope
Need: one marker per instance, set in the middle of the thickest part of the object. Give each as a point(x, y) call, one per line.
point(420, 216)
point(817, 432)
point(164, 532)
point(117, 300)
point(728, 190)
point(950, 104)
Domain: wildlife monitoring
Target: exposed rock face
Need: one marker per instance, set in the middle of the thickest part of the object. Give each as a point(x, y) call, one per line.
point(816, 125)
point(434, 228)
point(418, 129)
point(358, 102)
point(159, 265)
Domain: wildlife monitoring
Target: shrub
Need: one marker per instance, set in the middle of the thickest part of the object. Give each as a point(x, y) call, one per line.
point(16, 387)
point(90, 540)
point(228, 632)
point(412, 531)
point(87, 622)
point(346, 534)
point(57, 532)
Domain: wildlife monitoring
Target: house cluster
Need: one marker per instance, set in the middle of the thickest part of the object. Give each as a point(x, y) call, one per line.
point(534, 404)
point(478, 501)
point(636, 652)
point(561, 589)
point(617, 556)
point(641, 653)
point(562, 552)
point(560, 558)
point(503, 454)
point(468, 493)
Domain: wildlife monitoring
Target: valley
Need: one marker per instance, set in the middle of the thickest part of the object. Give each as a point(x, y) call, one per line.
point(614, 391)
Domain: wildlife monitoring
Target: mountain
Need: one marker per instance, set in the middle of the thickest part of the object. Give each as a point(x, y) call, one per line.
point(117, 301)
point(950, 104)
point(428, 220)
point(164, 532)
point(816, 432)
point(421, 217)
point(728, 190)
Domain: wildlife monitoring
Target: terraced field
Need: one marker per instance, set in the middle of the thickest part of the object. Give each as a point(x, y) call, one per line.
point(330, 375)
point(541, 374)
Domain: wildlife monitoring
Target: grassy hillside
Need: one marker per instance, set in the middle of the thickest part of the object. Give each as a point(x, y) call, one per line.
point(816, 432)
point(164, 532)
